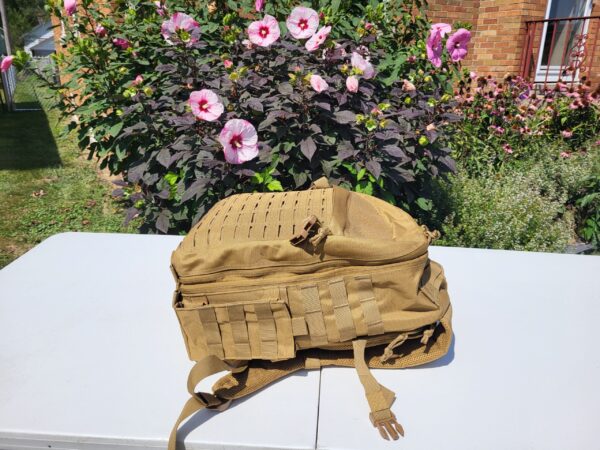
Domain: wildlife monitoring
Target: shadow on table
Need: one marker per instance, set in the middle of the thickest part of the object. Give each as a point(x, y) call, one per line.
point(205, 415)
point(444, 360)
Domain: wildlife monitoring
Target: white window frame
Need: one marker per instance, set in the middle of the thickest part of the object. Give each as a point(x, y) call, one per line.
point(553, 72)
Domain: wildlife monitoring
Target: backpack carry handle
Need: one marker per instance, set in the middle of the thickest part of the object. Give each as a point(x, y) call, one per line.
point(321, 183)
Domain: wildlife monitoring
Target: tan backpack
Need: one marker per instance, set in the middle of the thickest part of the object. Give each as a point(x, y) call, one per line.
point(271, 283)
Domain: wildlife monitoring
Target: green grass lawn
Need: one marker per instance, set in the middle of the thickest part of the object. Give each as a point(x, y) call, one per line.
point(46, 187)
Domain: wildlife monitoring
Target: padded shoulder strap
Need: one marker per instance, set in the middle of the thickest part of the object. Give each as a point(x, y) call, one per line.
point(207, 366)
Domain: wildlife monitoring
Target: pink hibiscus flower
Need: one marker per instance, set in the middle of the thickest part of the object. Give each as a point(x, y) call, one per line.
point(180, 28)
point(507, 148)
point(239, 140)
point(228, 63)
point(259, 5)
point(123, 44)
point(302, 22)
point(70, 7)
point(457, 44)
point(434, 47)
point(317, 39)
point(138, 80)
point(6, 63)
point(352, 83)
point(100, 31)
point(360, 63)
point(441, 28)
point(205, 105)
point(567, 134)
point(565, 155)
point(318, 83)
point(161, 9)
point(264, 32)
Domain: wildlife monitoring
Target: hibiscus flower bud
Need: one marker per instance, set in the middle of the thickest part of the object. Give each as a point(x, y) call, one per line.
point(352, 84)
point(407, 86)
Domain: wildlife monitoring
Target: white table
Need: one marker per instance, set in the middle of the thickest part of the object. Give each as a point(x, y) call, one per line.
point(91, 358)
point(524, 371)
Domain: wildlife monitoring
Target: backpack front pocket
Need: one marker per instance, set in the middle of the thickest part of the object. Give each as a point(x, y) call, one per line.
point(238, 331)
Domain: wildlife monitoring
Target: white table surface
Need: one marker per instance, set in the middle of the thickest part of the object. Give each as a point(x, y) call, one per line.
point(524, 371)
point(91, 358)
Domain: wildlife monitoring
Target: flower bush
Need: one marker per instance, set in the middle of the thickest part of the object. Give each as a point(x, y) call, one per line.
point(526, 166)
point(507, 121)
point(194, 101)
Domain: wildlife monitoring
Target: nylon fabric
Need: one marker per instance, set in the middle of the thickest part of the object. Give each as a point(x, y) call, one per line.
point(271, 283)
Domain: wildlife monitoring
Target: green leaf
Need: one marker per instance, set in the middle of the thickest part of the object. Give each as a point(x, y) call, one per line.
point(335, 6)
point(361, 174)
point(275, 185)
point(424, 204)
point(115, 129)
point(171, 178)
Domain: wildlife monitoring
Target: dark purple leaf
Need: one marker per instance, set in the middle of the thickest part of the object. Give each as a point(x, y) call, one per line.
point(374, 167)
point(164, 157)
point(394, 151)
point(196, 188)
point(344, 117)
point(285, 88)
point(131, 214)
point(164, 194)
point(255, 104)
point(308, 147)
point(162, 222)
point(323, 105)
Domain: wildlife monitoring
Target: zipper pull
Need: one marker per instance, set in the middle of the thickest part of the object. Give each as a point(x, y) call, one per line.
point(388, 353)
point(431, 235)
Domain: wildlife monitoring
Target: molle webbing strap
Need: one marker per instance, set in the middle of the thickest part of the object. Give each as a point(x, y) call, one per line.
point(211, 331)
point(239, 332)
point(369, 306)
point(341, 310)
point(266, 330)
point(299, 326)
point(379, 397)
point(314, 315)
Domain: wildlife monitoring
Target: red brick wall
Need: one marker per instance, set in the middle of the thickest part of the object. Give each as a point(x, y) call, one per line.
point(498, 28)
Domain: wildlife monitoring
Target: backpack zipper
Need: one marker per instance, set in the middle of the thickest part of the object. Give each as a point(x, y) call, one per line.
point(199, 289)
point(301, 269)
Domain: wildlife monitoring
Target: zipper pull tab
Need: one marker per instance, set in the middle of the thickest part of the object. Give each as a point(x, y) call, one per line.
point(431, 235)
point(379, 397)
point(388, 353)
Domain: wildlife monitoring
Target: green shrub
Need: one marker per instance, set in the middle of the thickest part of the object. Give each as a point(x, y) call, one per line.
point(504, 212)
